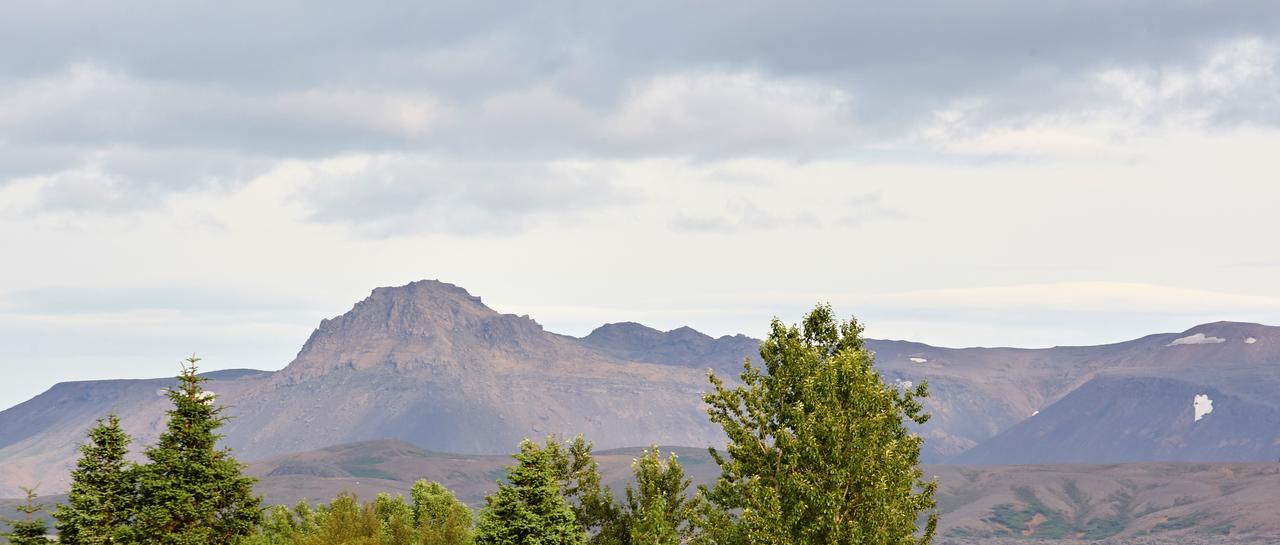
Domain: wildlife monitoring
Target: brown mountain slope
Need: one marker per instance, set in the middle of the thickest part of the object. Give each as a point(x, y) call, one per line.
point(430, 364)
point(426, 362)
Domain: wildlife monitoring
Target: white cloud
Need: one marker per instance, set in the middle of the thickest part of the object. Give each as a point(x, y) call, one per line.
point(1074, 296)
point(417, 194)
point(732, 113)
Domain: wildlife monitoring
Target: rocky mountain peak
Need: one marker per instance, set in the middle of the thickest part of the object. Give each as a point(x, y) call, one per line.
point(432, 316)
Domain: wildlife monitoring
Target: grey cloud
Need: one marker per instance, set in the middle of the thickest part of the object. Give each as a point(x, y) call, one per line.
point(532, 83)
point(123, 180)
point(393, 195)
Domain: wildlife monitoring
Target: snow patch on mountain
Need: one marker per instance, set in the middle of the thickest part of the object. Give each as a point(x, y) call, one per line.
point(1202, 405)
point(919, 360)
point(1198, 338)
point(1250, 340)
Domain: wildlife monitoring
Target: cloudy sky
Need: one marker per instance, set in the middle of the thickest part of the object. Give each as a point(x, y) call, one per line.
point(216, 177)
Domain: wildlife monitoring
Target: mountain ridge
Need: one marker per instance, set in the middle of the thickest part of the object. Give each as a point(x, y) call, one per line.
point(430, 363)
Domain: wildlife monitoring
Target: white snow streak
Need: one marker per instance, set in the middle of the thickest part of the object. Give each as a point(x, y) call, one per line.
point(1202, 405)
point(1198, 338)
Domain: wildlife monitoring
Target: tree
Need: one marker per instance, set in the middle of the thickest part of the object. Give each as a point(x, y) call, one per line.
point(528, 509)
point(30, 530)
point(435, 517)
point(98, 506)
point(593, 504)
point(818, 449)
point(438, 515)
point(658, 510)
point(190, 491)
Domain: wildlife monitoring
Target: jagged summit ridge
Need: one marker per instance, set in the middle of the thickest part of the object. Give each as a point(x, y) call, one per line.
point(683, 346)
point(430, 315)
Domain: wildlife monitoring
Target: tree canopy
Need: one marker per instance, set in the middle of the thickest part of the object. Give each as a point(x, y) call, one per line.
point(190, 491)
point(100, 504)
point(819, 450)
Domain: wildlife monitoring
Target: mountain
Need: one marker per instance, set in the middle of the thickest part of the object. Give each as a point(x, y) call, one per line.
point(1114, 403)
point(1179, 502)
point(685, 347)
point(430, 364)
point(426, 362)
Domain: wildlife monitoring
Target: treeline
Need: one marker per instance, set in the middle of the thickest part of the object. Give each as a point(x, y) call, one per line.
point(818, 452)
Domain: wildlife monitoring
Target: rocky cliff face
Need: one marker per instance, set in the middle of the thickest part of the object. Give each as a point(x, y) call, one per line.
point(430, 364)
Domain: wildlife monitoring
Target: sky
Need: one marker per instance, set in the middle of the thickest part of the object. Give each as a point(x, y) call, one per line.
point(217, 177)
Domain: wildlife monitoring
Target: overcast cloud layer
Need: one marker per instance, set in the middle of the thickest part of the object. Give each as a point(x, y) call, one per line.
point(219, 177)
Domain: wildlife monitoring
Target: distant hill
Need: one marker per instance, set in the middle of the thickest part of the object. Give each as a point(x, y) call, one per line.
point(430, 364)
point(1150, 502)
point(1177, 501)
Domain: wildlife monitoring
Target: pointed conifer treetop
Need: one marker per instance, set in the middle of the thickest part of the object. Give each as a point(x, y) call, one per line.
point(98, 508)
point(819, 450)
point(190, 490)
point(29, 530)
point(528, 509)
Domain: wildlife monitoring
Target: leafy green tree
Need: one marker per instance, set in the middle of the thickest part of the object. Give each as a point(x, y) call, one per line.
point(30, 530)
point(190, 491)
point(438, 515)
point(98, 508)
point(435, 517)
point(659, 511)
point(818, 449)
point(529, 509)
point(593, 503)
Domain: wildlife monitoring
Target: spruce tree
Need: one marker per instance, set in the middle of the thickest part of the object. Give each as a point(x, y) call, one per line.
point(29, 530)
point(190, 492)
point(818, 449)
point(528, 509)
point(98, 506)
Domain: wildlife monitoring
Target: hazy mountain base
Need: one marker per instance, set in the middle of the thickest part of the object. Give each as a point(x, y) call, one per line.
point(1143, 503)
point(1092, 503)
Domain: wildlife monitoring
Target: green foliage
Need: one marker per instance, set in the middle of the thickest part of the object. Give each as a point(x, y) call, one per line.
point(435, 517)
point(30, 530)
point(592, 503)
point(818, 449)
point(439, 516)
point(100, 503)
point(529, 509)
point(658, 510)
point(191, 492)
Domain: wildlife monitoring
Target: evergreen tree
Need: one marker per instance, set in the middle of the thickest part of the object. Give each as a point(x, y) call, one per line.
point(98, 506)
point(528, 509)
point(818, 451)
point(30, 530)
point(190, 492)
